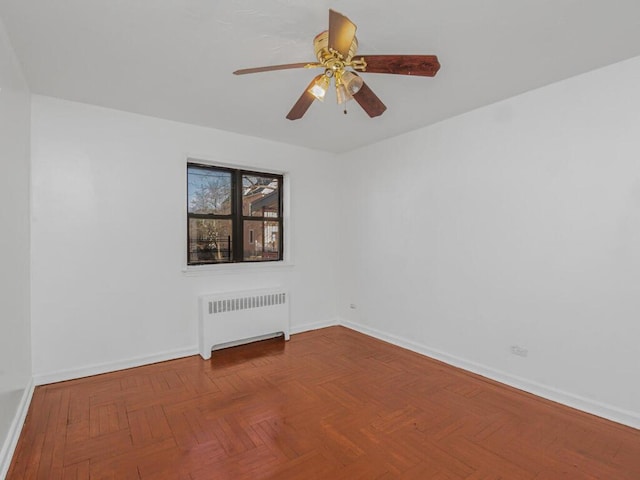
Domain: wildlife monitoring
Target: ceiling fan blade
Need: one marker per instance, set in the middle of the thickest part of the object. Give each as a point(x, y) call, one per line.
point(303, 103)
point(341, 33)
point(422, 65)
point(270, 68)
point(369, 101)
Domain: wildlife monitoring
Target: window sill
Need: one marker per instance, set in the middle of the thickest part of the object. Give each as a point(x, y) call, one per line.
point(231, 268)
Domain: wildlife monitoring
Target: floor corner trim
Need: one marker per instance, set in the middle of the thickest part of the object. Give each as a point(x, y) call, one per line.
point(11, 442)
point(98, 369)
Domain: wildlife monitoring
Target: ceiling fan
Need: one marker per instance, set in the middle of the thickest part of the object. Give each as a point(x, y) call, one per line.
point(336, 53)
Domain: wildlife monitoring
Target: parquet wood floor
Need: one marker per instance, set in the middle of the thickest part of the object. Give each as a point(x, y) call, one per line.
point(329, 404)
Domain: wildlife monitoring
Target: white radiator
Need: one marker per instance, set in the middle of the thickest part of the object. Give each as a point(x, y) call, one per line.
point(234, 318)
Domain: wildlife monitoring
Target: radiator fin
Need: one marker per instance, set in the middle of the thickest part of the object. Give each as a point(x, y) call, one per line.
point(246, 303)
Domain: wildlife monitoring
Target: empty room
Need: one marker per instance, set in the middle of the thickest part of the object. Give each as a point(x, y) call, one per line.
point(320, 240)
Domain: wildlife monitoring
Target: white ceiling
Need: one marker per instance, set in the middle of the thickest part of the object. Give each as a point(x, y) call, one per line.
point(173, 59)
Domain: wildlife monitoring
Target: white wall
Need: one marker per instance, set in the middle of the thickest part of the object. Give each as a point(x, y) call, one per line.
point(15, 350)
point(516, 224)
point(109, 236)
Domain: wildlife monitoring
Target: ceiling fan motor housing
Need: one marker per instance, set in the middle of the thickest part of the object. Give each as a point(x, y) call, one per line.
point(325, 55)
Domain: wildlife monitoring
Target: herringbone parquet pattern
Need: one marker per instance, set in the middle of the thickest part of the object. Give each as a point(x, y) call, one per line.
point(329, 404)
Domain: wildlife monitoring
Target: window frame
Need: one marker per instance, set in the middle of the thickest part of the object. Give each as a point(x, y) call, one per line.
point(236, 215)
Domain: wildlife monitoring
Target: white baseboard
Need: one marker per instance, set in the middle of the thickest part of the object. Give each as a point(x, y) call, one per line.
point(610, 412)
point(97, 369)
point(307, 327)
point(10, 443)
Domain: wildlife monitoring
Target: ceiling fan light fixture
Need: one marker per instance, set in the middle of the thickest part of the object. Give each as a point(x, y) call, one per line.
point(352, 82)
point(319, 87)
point(342, 94)
point(347, 85)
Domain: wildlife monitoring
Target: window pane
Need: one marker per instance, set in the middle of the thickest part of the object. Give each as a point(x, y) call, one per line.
point(261, 240)
point(209, 240)
point(209, 191)
point(260, 196)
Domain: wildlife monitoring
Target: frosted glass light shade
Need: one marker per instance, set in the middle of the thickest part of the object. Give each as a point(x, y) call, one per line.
point(352, 82)
point(320, 87)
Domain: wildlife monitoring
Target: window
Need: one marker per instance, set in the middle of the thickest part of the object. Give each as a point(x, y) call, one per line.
point(233, 215)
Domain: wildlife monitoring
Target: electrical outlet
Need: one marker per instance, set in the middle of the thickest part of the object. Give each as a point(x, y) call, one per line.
point(519, 351)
